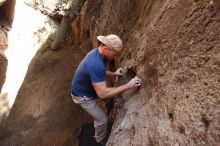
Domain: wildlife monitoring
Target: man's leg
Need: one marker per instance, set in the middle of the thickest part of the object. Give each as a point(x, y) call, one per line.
point(100, 117)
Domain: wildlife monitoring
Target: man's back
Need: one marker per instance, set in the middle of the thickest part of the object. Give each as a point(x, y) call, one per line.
point(91, 69)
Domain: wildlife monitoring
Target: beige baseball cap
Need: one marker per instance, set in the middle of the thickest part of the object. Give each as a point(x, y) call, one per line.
point(112, 41)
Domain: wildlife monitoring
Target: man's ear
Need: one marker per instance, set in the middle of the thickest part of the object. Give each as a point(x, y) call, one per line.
point(105, 48)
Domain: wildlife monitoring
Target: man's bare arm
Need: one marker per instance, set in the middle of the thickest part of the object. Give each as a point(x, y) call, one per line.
point(105, 92)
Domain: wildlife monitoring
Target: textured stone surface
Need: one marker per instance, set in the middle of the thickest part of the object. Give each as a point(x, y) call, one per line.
point(65, 11)
point(64, 31)
point(6, 19)
point(7, 13)
point(3, 68)
point(3, 40)
point(176, 53)
point(56, 9)
point(172, 45)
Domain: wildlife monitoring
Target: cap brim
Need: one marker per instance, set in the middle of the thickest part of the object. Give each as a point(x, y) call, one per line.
point(105, 41)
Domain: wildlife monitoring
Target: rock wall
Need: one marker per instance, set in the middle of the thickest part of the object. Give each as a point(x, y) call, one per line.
point(172, 45)
point(7, 9)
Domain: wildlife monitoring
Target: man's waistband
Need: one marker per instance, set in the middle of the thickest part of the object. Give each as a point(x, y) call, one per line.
point(74, 93)
point(78, 99)
point(82, 96)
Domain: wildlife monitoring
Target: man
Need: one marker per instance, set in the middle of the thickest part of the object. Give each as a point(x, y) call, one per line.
point(89, 82)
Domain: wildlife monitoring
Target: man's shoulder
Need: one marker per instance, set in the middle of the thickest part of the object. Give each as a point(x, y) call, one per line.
point(93, 51)
point(95, 64)
point(93, 57)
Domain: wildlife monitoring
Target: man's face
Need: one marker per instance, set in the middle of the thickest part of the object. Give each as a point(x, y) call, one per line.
point(110, 54)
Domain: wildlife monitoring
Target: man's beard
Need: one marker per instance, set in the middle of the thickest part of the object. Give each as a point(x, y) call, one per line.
point(108, 60)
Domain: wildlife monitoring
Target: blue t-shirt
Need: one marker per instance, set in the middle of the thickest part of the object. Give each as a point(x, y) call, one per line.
point(91, 69)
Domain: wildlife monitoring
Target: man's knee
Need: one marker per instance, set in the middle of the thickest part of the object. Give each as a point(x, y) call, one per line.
point(105, 120)
point(101, 121)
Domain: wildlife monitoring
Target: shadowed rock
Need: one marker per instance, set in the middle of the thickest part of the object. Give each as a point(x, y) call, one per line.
point(7, 9)
point(64, 31)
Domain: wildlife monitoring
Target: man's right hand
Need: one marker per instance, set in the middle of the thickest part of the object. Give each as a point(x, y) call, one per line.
point(119, 72)
point(135, 82)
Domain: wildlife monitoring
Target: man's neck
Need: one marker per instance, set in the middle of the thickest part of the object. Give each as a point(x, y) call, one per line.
point(101, 51)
